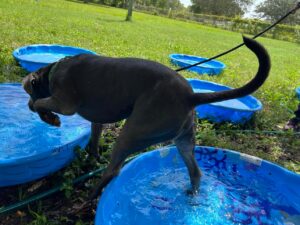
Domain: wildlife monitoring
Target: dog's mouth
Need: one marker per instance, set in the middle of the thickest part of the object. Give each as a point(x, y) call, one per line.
point(30, 105)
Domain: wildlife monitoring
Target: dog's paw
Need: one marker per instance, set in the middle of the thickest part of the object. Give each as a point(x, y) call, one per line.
point(192, 192)
point(50, 118)
point(293, 124)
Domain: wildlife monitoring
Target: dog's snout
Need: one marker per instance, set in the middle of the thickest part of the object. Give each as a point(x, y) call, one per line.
point(30, 105)
point(24, 82)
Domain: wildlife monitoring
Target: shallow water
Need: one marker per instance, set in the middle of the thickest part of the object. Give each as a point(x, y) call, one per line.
point(227, 196)
point(43, 57)
point(232, 103)
point(23, 134)
point(208, 64)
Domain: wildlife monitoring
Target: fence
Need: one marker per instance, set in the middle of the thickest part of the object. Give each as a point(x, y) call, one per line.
point(246, 26)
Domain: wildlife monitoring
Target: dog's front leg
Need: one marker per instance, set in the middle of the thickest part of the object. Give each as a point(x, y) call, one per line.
point(94, 143)
point(46, 106)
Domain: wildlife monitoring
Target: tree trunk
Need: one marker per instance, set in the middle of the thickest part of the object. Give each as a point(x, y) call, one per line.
point(129, 13)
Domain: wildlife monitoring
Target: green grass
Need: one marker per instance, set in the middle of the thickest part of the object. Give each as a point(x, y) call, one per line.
point(103, 30)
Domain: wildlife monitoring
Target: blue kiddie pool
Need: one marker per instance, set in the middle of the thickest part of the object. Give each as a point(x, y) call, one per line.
point(212, 67)
point(29, 148)
point(235, 111)
point(235, 189)
point(33, 57)
point(298, 92)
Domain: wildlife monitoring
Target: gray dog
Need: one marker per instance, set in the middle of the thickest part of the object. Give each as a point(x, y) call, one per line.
point(157, 102)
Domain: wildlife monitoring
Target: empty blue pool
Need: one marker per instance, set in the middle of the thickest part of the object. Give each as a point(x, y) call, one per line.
point(33, 57)
point(235, 111)
point(236, 189)
point(29, 148)
point(212, 67)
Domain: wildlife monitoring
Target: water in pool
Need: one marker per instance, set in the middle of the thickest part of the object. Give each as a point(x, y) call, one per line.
point(22, 133)
point(208, 64)
point(232, 103)
point(228, 196)
point(44, 57)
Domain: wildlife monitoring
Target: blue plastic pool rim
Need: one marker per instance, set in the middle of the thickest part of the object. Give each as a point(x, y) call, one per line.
point(141, 156)
point(43, 154)
point(232, 152)
point(298, 92)
point(259, 104)
point(222, 65)
point(17, 56)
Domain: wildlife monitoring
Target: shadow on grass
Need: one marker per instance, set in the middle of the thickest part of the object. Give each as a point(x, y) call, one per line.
point(102, 6)
point(88, 3)
point(111, 20)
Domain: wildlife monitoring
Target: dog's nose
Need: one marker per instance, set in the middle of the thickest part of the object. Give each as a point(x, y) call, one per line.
point(30, 105)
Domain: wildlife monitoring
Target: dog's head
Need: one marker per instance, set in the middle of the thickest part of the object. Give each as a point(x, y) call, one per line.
point(36, 85)
point(29, 82)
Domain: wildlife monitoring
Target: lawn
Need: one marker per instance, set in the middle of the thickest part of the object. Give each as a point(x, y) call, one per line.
point(103, 30)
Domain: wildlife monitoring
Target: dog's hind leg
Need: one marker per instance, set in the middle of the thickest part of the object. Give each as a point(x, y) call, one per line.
point(127, 143)
point(186, 144)
point(121, 150)
point(117, 159)
point(135, 136)
point(150, 123)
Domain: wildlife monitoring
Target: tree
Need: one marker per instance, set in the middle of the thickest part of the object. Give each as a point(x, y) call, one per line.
point(221, 7)
point(272, 10)
point(129, 13)
point(175, 5)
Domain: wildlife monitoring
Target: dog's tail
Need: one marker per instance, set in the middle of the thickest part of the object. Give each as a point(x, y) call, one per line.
point(253, 85)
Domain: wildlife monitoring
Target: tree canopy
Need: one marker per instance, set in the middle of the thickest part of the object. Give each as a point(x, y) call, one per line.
point(221, 7)
point(163, 4)
point(272, 10)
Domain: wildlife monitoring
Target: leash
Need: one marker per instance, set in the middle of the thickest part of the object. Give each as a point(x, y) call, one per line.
point(292, 11)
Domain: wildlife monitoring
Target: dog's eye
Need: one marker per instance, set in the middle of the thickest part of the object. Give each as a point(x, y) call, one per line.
point(33, 82)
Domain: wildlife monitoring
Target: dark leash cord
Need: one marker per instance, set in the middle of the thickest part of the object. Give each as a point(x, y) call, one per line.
point(292, 11)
